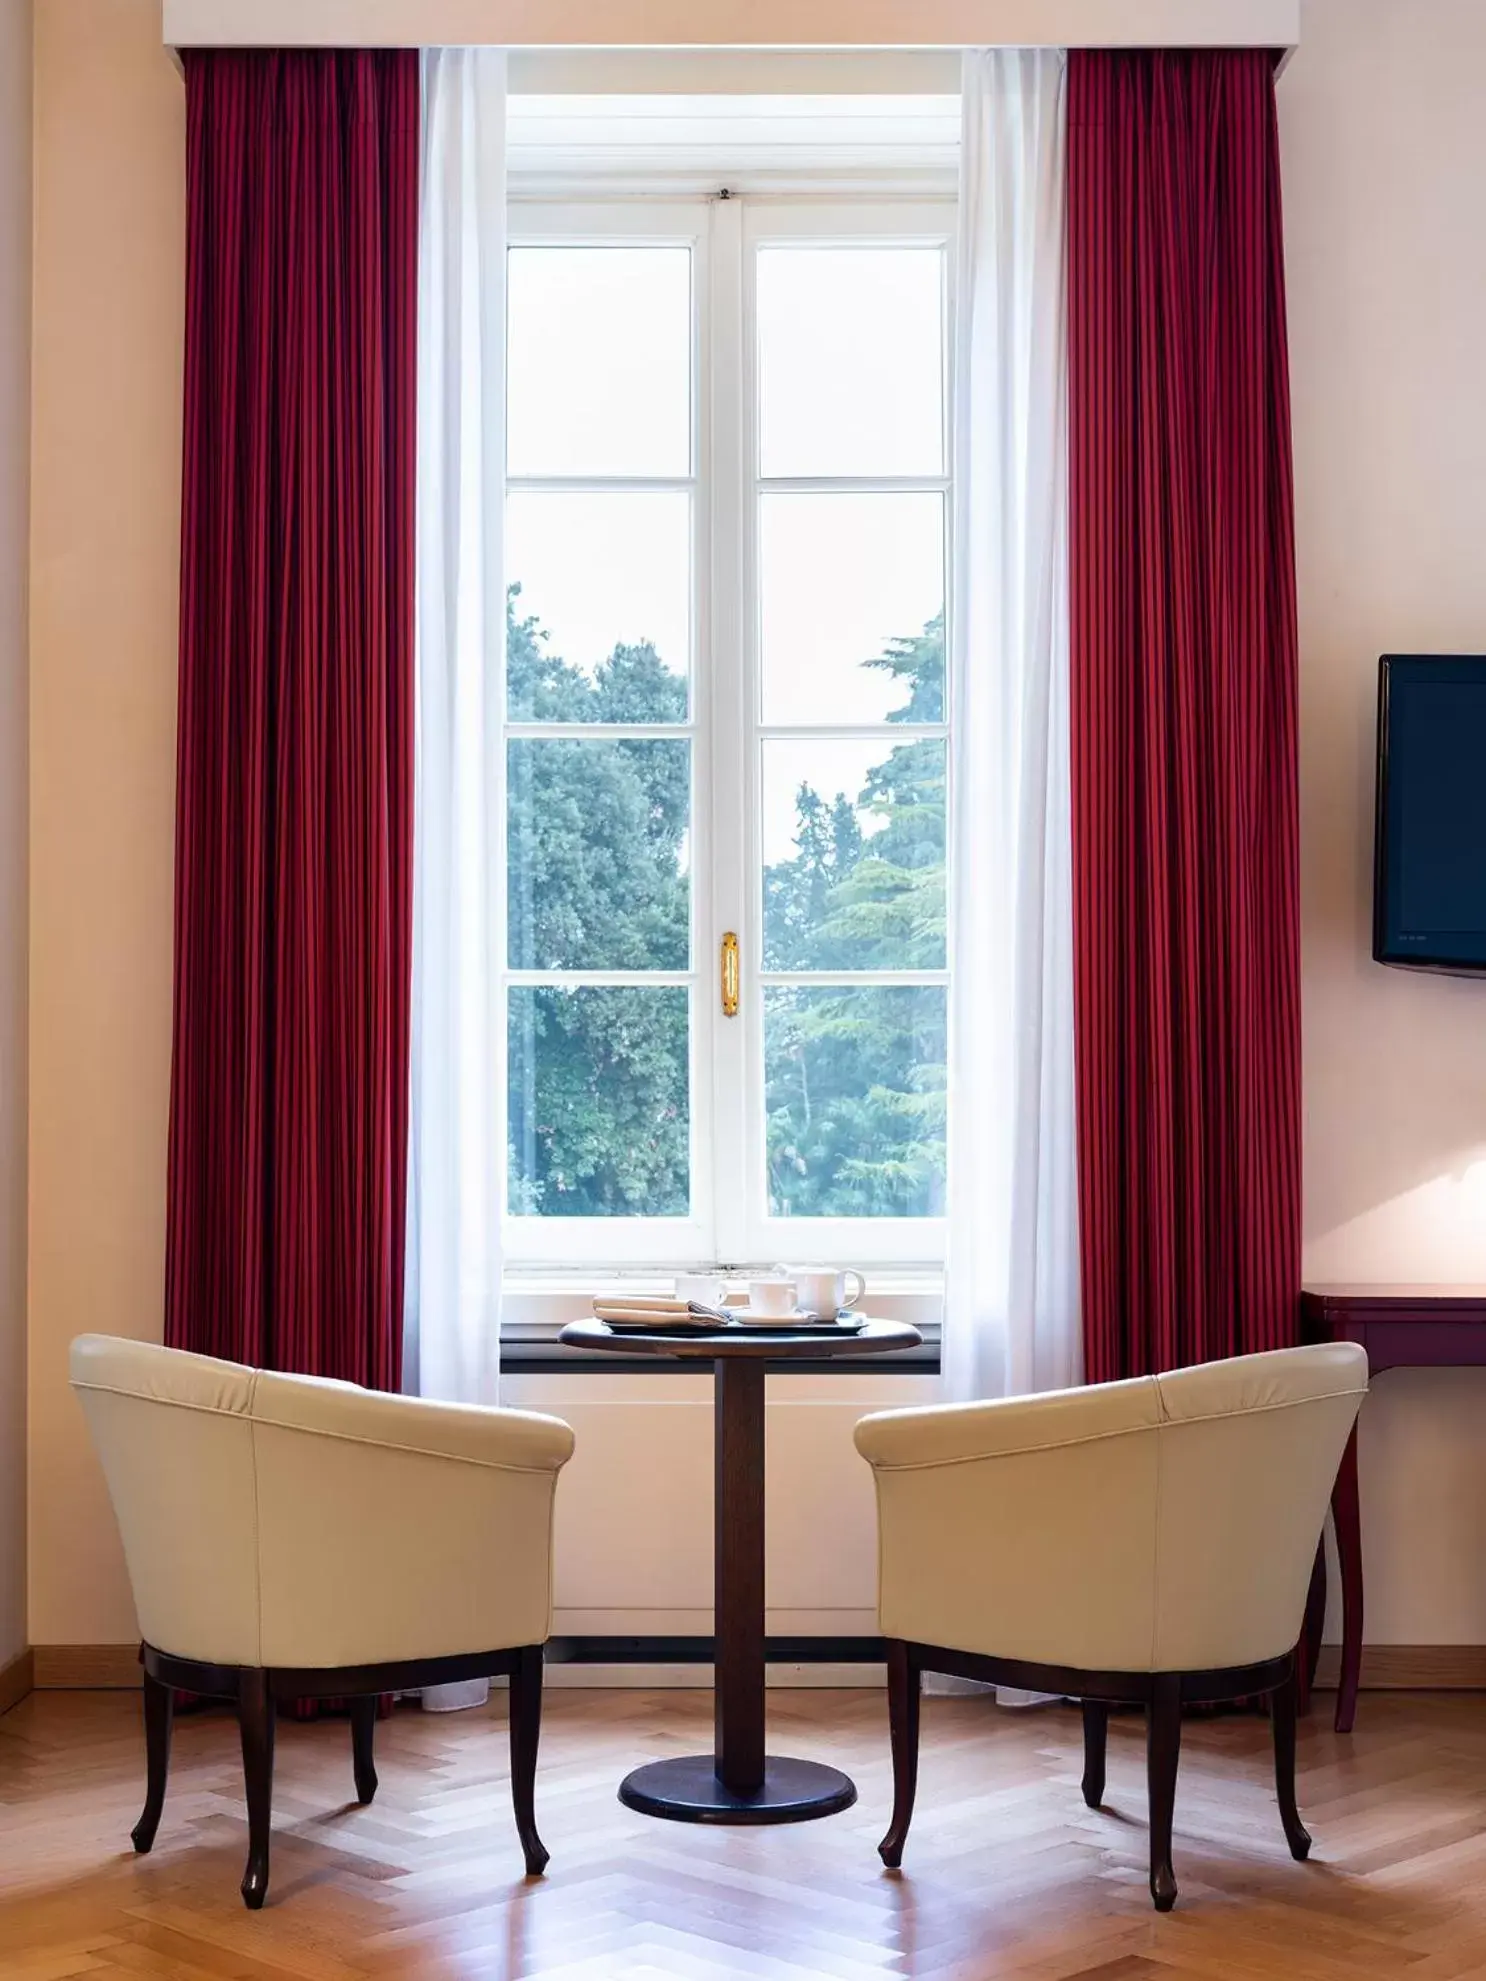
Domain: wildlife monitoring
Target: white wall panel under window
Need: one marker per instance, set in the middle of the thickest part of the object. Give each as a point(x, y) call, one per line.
point(634, 1507)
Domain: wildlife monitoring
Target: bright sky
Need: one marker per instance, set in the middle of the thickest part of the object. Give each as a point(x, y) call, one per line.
point(849, 342)
point(598, 361)
point(841, 576)
point(828, 768)
point(601, 570)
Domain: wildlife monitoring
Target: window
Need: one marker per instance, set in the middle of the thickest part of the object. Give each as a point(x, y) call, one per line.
point(727, 545)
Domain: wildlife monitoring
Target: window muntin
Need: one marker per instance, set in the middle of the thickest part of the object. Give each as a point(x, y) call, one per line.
point(643, 1125)
point(851, 499)
point(601, 984)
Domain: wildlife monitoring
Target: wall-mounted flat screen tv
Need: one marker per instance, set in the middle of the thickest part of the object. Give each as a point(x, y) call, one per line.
point(1429, 894)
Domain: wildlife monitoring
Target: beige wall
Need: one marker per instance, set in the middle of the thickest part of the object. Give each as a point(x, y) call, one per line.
point(1385, 159)
point(15, 447)
point(109, 308)
point(1384, 134)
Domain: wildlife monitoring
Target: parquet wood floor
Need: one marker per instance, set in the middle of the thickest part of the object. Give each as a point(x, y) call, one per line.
point(1006, 1873)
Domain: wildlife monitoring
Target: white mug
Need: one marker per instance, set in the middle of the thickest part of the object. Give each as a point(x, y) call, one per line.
point(822, 1289)
point(772, 1298)
point(706, 1289)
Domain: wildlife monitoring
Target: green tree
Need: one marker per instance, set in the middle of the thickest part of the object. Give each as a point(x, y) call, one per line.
point(599, 1121)
point(855, 1077)
point(596, 828)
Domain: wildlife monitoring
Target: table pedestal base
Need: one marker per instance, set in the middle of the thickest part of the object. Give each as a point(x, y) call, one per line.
point(688, 1791)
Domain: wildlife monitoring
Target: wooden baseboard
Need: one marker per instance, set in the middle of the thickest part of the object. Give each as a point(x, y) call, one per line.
point(16, 1680)
point(1385, 1668)
point(86, 1667)
point(1411, 1667)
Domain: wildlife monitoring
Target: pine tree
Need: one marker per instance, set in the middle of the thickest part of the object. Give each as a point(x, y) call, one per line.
point(856, 1077)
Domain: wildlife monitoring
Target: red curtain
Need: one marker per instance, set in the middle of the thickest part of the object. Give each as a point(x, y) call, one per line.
point(1187, 986)
point(288, 1131)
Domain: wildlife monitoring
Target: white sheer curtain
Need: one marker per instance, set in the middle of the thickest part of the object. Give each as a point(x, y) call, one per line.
point(453, 1277)
point(452, 1345)
point(1012, 1319)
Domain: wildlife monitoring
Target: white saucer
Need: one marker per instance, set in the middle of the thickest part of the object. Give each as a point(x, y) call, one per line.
point(746, 1318)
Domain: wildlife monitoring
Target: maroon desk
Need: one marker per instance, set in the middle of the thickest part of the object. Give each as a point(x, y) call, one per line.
point(1401, 1327)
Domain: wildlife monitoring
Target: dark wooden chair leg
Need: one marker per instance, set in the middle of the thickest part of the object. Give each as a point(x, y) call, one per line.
point(903, 1714)
point(363, 1740)
point(1282, 1706)
point(1310, 1636)
point(1096, 1730)
point(1163, 1750)
point(526, 1732)
point(1346, 1513)
point(255, 1719)
point(159, 1716)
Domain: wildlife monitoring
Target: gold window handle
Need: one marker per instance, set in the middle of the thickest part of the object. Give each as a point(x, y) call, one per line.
point(730, 975)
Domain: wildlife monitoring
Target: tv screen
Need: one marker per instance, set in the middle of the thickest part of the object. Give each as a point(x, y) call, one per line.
point(1429, 906)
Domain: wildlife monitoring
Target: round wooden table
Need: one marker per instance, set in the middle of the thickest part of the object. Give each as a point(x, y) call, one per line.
point(738, 1782)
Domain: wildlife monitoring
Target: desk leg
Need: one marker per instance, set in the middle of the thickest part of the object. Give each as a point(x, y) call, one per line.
point(738, 1782)
point(1346, 1510)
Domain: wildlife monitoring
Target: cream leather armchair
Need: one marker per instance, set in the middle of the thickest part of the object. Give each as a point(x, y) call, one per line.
point(288, 1537)
point(1143, 1542)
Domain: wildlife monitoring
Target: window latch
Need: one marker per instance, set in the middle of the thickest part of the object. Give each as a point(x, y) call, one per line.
point(730, 975)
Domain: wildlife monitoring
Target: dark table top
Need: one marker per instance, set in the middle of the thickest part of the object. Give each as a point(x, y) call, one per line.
point(876, 1338)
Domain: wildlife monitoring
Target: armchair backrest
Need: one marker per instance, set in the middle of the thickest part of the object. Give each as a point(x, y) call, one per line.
point(294, 1522)
point(1165, 1524)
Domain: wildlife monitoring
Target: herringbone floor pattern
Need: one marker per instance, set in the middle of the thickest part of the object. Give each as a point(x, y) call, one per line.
point(1006, 1873)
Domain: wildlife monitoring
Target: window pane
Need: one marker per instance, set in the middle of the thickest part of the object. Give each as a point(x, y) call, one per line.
point(851, 361)
point(853, 608)
point(855, 1101)
point(597, 855)
point(599, 362)
point(598, 1103)
point(599, 628)
point(854, 855)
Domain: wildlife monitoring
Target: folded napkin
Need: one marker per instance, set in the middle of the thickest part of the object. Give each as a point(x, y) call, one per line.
point(642, 1304)
point(659, 1311)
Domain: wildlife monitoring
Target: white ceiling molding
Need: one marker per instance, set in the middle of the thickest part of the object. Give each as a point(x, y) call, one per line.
point(742, 24)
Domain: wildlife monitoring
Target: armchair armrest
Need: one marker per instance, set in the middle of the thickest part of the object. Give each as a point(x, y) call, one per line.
point(514, 1440)
point(960, 1433)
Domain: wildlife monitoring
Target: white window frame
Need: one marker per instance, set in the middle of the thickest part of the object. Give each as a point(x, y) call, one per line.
point(729, 1223)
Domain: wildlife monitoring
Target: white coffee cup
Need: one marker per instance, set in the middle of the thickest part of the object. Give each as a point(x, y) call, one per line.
point(823, 1289)
point(772, 1298)
point(706, 1289)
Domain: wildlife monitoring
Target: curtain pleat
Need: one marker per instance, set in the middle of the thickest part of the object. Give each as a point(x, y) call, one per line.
point(1011, 1320)
point(289, 1094)
point(1184, 701)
